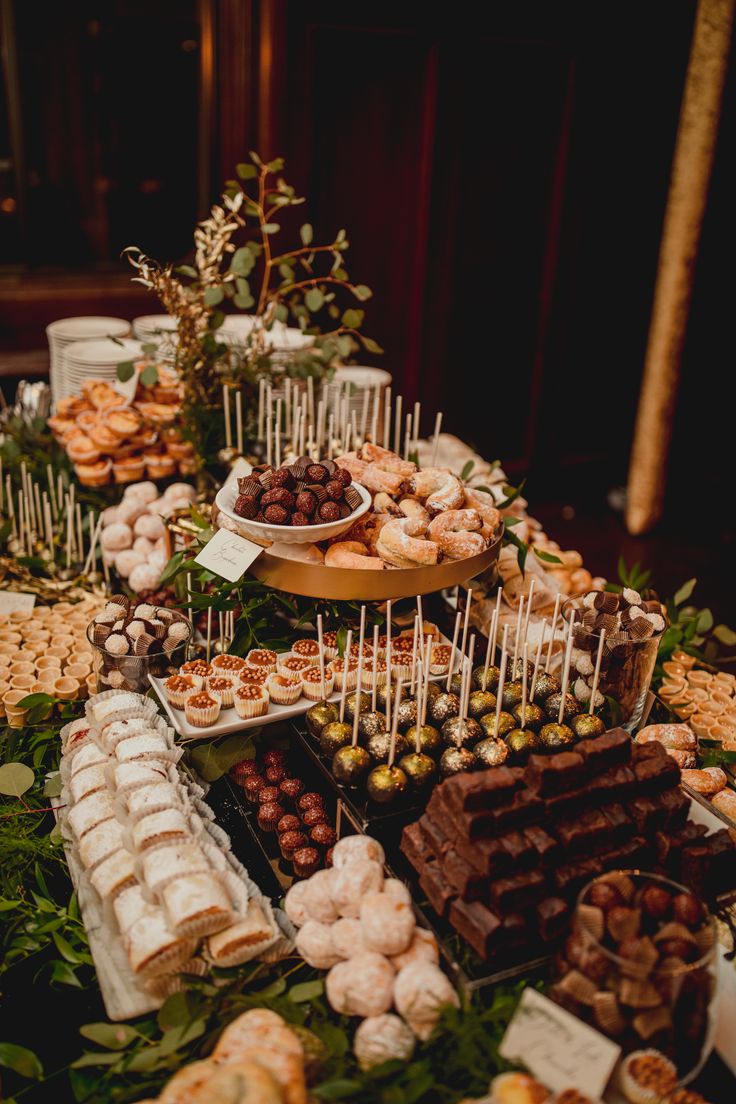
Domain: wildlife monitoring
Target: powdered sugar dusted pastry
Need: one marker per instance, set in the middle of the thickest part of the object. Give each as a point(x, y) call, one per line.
point(318, 899)
point(294, 905)
point(114, 874)
point(153, 949)
point(100, 842)
point(347, 937)
point(131, 776)
point(725, 802)
point(89, 812)
point(243, 940)
point(382, 1038)
point(362, 986)
point(388, 924)
point(196, 905)
point(352, 882)
point(679, 737)
point(420, 992)
point(708, 781)
point(158, 829)
point(163, 864)
point(423, 948)
point(87, 782)
point(153, 799)
point(129, 906)
point(88, 756)
point(351, 848)
point(395, 889)
point(315, 944)
point(145, 746)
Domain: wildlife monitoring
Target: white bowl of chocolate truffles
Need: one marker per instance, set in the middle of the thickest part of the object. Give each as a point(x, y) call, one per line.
point(300, 503)
point(135, 640)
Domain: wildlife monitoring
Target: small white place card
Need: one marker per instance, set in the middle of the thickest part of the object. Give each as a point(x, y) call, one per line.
point(557, 1048)
point(228, 555)
point(10, 602)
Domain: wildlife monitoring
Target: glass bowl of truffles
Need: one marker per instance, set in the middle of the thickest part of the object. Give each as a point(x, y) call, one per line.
point(132, 642)
point(640, 966)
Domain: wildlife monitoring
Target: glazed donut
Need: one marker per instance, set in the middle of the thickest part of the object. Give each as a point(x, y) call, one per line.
point(441, 489)
point(708, 781)
point(387, 460)
point(352, 554)
point(456, 533)
point(679, 737)
point(401, 543)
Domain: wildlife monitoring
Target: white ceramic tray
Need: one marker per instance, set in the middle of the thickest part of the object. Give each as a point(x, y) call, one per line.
point(229, 721)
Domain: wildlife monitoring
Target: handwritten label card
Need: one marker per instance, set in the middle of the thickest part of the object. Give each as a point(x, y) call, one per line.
point(228, 555)
point(16, 603)
point(556, 1047)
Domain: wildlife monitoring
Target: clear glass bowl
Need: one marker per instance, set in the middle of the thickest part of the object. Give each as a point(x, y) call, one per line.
point(130, 672)
point(678, 995)
point(626, 670)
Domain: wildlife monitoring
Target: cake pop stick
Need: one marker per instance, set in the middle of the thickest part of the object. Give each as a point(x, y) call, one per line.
point(416, 420)
point(490, 648)
point(190, 609)
point(374, 688)
point(466, 622)
point(524, 678)
point(420, 615)
point(386, 417)
point(528, 609)
point(394, 725)
point(501, 679)
point(407, 437)
point(331, 437)
point(287, 406)
point(397, 424)
point(277, 457)
point(364, 414)
point(321, 642)
point(425, 688)
point(261, 400)
point(52, 493)
point(338, 817)
point(414, 655)
point(269, 438)
point(517, 637)
point(221, 631)
point(49, 527)
point(538, 660)
point(420, 680)
point(436, 438)
point(388, 649)
point(374, 422)
point(37, 507)
point(358, 691)
point(310, 399)
point(452, 653)
point(226, 415)
point(239, 421)
point(565, 672)
point(209, 633)
point(466, 681)
point(555, 615)
point(597, 671)
point(80, 536)
point(361, 633)
point(345, 670)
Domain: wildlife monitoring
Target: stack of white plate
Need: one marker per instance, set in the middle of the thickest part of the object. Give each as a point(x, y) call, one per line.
point(155, 329)
point(349, 385)
point(85, 360)
point(237, 328)
point(66, 331)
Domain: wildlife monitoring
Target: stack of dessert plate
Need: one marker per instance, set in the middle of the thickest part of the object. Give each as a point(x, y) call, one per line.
point(85, 360)
point(237, 328)
point(159, 330)
point(66, 331)
point(348, 386)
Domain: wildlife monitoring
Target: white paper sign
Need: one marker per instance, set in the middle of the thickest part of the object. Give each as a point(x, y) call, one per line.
point(228, 555)
point(557, 1048)
point(16, 603)
point(129, 388)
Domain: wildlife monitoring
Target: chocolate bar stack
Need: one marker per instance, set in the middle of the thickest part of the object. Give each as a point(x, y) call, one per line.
point(503, 853)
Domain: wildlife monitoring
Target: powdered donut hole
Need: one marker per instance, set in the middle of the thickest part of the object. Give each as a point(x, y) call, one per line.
point(395, 889)
point(347, 937)
point(315, 944)
point(149, 527)
point(381, 1038)
point(144, 577)
point(294, 904)
point(318, 900)
point(423, 948)
point(351, 883)
point(144, 546)
point(146, 491)
point(388, 925)
point(127, 560)
point(351, 848)
point(116, 537)
point(419, 994)
point(362, 986)
point(181, 490)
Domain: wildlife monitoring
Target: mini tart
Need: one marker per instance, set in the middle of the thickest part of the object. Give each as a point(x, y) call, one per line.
point(159, 467)
point(329, 643)
point(94, 475)
point(306, 649)
point(202, 709)
point(227, 664)
point(196, 667)
point(381, 673)
point(338, 668)
point(123, 422)
point(439, 659)
point(249, 676)
point(402, 646)
point(311, 681)
point(263, 659)
point(223, 687)
point(400, 667)
point(180, 687)
point(646, 1076)
point(128, 470)
point(291, 666)
point(251, 701)
point(283, 690)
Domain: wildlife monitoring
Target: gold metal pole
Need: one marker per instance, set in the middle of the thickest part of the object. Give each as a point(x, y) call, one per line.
point(688, 192)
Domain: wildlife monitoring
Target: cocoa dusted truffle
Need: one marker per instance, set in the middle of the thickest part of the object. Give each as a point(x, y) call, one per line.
point(306, 503)
point(316, 473)
point(276, 515)
point(289, 842)
point(291, 789)
point(309, 801)
point(323, 835)
point(288, 823)
point(312, 817)
point(306, 861)
point(329, 511)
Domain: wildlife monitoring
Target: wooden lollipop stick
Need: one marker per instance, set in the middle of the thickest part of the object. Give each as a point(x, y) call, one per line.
point(345, 669)
point(374, 689)
point(524, 678)
point(555, 615)
point(388, 652)
point(436, 438)
point(226, 415)
point(538, 659)
point(565, 672)
point(597, 671)
point(417, 725)
point(517, 638)
point(414, 655)
point(358, 692)
point(466, 622)
point(425, 688)
point(528, 609)
point(209, 633)
point(420, 615)
point(491, 640)
point(338, 817)
point(321, 642)
point(466, 680)
point(452, 653)
point(395, 724)
point(501, 679)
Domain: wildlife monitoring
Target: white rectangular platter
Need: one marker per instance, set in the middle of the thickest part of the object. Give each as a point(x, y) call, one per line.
point(229, 721)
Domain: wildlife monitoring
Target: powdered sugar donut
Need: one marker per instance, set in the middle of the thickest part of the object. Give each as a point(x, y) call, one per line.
point(388, 925)
point(318, 899)
point(315, 944)
point(423, 948)
point(392, 887)
point(158, 558)
point(362, 986)
point(347, 937)
point(129, 509)
point(350, 848)
point(146, 491)
point(181, 490)
point(109, 516)
point(144, 577)
point(127, 560)
point(149, 526)
point(116, 537)
point(172, 504)
point(420, 991)
point(351, 883)
point(294, 906)
point(381, 1038)
point(144, 546)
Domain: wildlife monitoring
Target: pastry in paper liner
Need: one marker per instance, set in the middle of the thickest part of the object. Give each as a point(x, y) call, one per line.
point(87, 782)
point(117, 705)
point(111, 734)
point(113, 875)
point(154, 950)
point(196, 905)
point(145, 746)
point(73, 729)
point(244, 940)
point(100, 842)
point(159, 867)
point(128, 907)
point(127, 777)
point(162, 987)
point(87, 756)
point(160, 830)
point(89, 812)
point(146, 800)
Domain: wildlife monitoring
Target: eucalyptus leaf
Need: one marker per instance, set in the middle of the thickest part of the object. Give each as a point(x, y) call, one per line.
point(270, 228)
point(685, 591)
point(360, 291)
point(246, 171)
point(149, 376)
point(53, 785)
point(704, 621)
point(353, 318)
point(215, 758)
point(340, 1088)
point(306, 991)
point(213, 296)
point(15, 779)
point(174, 1012)
point(110, 1036)
point(306, 233)
point(725, 635)
point(91, 1058)
point(242, 261)
point(125, 371)
point(314, 299)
